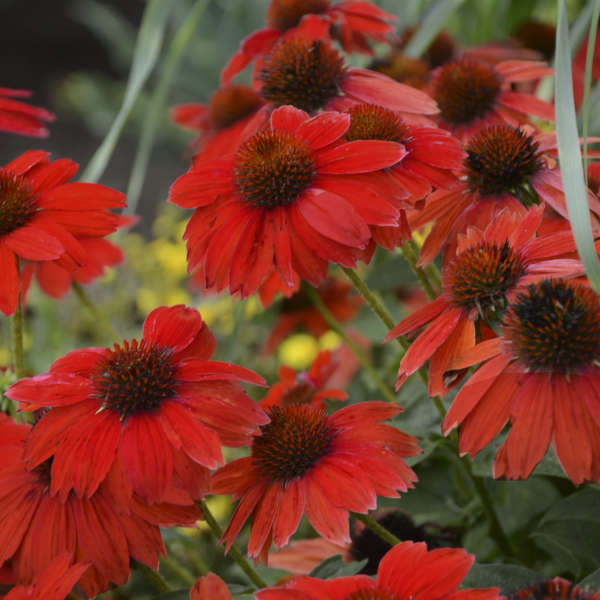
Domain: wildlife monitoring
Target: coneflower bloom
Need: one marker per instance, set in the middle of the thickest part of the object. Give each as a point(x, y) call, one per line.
point(298, 312)
point(21, 118)
point(221, 121)
point(105, 530)
point(408, 570)
point(311, 75)
point(54, 583)
point(478, 283)
point(542, 374)
point(403, 68)
point(505, 167)
point(158, 403)
point(431, 156)
point(276, 204)
point(473, 94)
point(41, 215)
point(351, 22)
point(556, 588)
point(441, 50)
point(305, 462)
point(307, 387)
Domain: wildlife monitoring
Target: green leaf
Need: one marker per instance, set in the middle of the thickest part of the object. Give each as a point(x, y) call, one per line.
point(506, 577)
point(335, 567)
point(436, 17)
point(147, 47)
point(175, 595)
point(582, 505)
point(570, 154)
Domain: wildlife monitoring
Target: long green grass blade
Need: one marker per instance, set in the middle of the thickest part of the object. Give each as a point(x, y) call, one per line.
point(570, 154)
point(580, 26)
point(146, 53)
point(436, 17)
point(156, 108)
point(587, 85)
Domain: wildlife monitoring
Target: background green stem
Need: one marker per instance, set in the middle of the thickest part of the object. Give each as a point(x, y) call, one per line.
point(378, 529)
point(154, 578)
point(98, 316)
point(411, 254)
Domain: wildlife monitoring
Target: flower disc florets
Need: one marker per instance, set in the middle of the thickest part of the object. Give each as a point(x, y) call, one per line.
point(554, 326)
point(17, 202)
point(465, 90)
point(501, 160)
point(135, 378)
point(231, 104)
point(292, 443)
point(372, 122)
point(285, 14)
point(306, 74)
point(552, 589)
point(273, 168)
point(481, 276)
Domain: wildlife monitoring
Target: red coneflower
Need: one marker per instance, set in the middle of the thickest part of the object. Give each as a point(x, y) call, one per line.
point(311, 75)
point(158, 402)
point(478, 283)
point(307, 462)
point(107, 529)
point(553, 589)
point(473, 94)
point(504, 168)
point(54, 583)
point(299, 312)
point(17, 117)
point(306, 387)
point(408, 570)
point(543, 374)
point(403, 68)
point(221, 121)
point(210, 586)
point(276, 204)
point(351, 22)
point(41, 215)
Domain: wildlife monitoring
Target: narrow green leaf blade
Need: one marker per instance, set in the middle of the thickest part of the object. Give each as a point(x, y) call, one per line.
point(147, 47)
point(436, 17)
point(570, 154)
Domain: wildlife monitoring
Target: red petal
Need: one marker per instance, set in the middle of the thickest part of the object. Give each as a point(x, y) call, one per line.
point(419, 318)
point(33, 242)
point(288, 118)
point(210, 586)
point(210, 370)
point(9, 287)
point(27, 161)
point(361, 156)
point(81, 197)
point(175, 327)
point(324, 129)
point(291, 508)
point(530, 105)
point(262, 519)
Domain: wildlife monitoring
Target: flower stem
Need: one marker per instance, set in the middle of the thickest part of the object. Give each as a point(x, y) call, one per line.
point(386, 391)
point(178, 570)
point(17, 339)
point(98, 316)
point(411, 253)
point(254, 577)
point(153, 577)
point(377, 529)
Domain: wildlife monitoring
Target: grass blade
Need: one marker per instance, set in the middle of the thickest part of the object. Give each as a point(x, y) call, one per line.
point(587, 82)
point(146, 53)
point(570, 154)
point(157, 103)
point(436, 17)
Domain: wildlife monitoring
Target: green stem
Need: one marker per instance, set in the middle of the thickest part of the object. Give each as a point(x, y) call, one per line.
point(496, 530)
point(154, 578)
point(411, 254)
point(314, 297)
point(377, 529)
point(233, 342)
point(178, 570)
point(17, 339)
point(98, 316)
point(254, 577)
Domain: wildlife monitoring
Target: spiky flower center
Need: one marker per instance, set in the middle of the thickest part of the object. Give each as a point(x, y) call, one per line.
point(481, 276)
point(302, 73)
point(231, 104)
point(403, 68)
point(297, 437)
point(273, 168)
point(371, 122)
point(137, 377)
point(285, 14)
point(17, 202)
point(552, 589)
point(501, 160)
point(465, 91)
point(554, 326)
point(371, 594)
